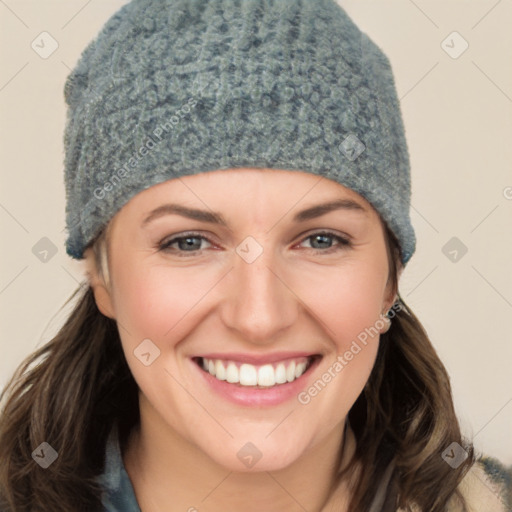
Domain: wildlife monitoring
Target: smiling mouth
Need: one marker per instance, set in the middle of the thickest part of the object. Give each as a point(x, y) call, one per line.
point(257, 376)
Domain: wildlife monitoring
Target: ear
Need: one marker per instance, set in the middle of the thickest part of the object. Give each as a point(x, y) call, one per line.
point(391, 291)
point(389, 297)
point(102, 294)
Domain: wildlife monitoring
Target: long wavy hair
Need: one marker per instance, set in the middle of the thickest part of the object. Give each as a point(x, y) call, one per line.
point(72, 391)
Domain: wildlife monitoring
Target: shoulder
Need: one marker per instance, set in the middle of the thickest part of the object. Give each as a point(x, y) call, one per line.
point(487, 487)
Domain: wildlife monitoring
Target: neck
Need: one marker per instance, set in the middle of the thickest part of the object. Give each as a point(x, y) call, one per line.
point(170, 473)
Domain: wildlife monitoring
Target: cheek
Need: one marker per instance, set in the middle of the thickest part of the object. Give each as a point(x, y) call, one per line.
point(346, 301)
point(153, 302)
point(156, 303)
point(347, 305)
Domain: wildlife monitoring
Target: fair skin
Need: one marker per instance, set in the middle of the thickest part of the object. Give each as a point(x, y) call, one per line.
point(303, 293)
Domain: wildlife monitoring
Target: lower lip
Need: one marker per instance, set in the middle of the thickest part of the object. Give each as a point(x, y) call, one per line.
point(262, 397)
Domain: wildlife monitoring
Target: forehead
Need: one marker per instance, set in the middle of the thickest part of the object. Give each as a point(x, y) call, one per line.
point(263, 197)
point(247, 188)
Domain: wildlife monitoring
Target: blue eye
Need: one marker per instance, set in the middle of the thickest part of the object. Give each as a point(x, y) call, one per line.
point(342, 242)
point(184, 243)
point(191, 243)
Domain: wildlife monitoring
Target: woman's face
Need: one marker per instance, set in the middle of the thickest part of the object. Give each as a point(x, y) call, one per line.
point(251, 282)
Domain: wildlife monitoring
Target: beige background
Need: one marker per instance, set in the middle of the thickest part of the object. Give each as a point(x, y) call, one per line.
point(458, 117)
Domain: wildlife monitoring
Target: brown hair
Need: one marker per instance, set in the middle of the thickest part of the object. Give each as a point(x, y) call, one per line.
point(405, 417)
point(72, 391)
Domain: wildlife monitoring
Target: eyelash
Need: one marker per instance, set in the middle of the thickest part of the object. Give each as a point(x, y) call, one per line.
point(343, 243)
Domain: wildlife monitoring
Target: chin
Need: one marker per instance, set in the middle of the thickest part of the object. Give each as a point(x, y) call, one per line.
point(242, 455)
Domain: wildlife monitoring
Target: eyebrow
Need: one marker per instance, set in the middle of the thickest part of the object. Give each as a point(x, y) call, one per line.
point(216, 218)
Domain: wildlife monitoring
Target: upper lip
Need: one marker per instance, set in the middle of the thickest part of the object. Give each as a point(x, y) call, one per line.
point(257, 359)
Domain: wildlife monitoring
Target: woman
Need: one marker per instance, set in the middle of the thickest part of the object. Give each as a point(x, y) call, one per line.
point(221, 357)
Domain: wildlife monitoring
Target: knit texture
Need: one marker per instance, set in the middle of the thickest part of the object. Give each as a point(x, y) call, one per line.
point(178, 87)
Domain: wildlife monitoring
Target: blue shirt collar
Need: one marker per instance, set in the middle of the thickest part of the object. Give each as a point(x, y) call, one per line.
point(118, 495)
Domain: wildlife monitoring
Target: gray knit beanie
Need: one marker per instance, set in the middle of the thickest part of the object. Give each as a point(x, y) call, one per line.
point(178, 87)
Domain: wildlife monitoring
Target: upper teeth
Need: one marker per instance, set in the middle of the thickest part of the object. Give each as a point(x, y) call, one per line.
point(251, 375)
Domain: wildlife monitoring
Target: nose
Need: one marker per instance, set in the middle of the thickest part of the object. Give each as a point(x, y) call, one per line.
point(259, 303)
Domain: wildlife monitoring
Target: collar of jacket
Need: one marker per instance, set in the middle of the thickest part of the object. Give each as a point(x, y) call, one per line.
point(118, 492)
